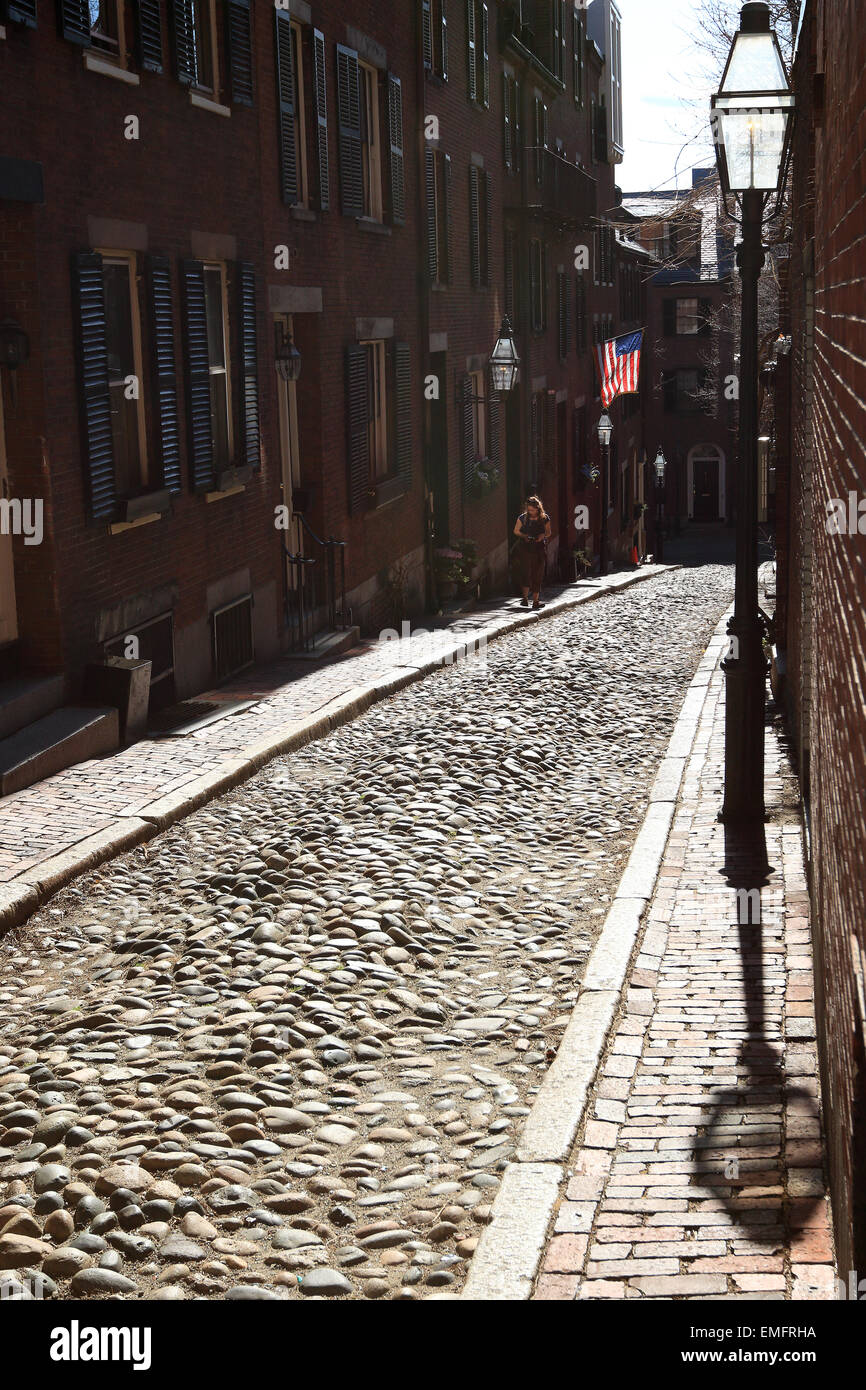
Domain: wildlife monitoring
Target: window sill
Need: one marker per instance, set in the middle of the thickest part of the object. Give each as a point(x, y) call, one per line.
point(148, 504)
point(208, 104)
point(388, 490)
point(115, 527)
point(229, 483)
point(302, 214)
point(94, 63)
point(369, 224)
point(2, 31)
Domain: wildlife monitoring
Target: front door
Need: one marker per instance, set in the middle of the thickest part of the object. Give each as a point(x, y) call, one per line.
point(290, 465)
point(706, 490)
point(438, 408)
point(8, 619)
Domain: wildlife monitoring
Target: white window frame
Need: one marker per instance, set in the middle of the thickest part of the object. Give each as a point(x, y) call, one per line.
point(129, 259)
point(208, 267)
point(371, 141)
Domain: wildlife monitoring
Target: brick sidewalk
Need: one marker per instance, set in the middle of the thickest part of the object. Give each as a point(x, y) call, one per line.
point(700, 1171)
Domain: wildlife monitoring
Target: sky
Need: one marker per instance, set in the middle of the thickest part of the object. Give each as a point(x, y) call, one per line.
point(666, 96)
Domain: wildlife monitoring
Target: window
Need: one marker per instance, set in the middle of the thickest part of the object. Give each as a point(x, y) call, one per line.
point(377, 420)
point(681, 390)
point(538, 285)
point(478, 382)
point(434, 36)
point(220, 394)
point(541, 136)
point(379, 410)
point(687, 316)
point(477, 51)
point(123, 351)
point(106, 26)
point(512, 124)
point(580, 332)
point(512, 257)
point(578, 58)
point(479, 226)
point(371, 159)
point(438, 179)
point(204, 45)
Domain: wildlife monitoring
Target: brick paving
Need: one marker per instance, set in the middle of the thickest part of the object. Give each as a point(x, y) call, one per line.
point(700, 1174)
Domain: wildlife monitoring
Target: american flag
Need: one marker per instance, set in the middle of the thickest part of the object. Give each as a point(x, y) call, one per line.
point(618, 362)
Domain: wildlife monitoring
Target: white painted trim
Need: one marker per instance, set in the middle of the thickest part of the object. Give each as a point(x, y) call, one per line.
point(94, 63)
point(208, 104)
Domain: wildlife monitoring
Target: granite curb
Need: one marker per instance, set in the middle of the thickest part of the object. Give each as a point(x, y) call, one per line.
point(511, 1247)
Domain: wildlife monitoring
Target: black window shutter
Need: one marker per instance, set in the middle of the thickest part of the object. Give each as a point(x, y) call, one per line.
point(427, 34)
point(705, 311)
point(349, 122)
point(184, 40)
point(576, 56)
point(516, 125)
point(534, 276)
point(509, 277)
point(240, 51)
point(286, 114)
point(493, 430)
point(164, 370)
point(395, 137)
point(487, 228)
point(467, 432)
point(89, 290)
point(74, 19)
point(249, 360)
point(485, 54)
point(22, 12)
point(403, 411)
point(197, 375)
point(474, 226)
point(669, 390)
point(669, 313)
point(534, 443)
point(430, 157)
point(446, 215)
point(357, 418)
point(320, 91)
point(471, 50)
point(443, 35)
point(506, 120)
point(149, 35)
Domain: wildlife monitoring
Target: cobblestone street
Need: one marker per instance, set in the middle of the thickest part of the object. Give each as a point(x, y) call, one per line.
point(287, 1047)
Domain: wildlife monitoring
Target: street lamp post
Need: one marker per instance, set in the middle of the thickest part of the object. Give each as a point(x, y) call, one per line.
point(659, 467)
point(605, 430)
point(752, 119)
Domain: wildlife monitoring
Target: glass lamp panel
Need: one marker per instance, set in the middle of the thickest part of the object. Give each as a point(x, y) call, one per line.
point(755, 66)
point(754, 147)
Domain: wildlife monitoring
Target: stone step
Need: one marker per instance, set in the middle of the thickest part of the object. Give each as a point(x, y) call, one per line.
point(330, 644)
point(57, 741)
point(24, 699)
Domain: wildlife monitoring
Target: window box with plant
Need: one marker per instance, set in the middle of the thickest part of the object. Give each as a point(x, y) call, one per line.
point(484, 478)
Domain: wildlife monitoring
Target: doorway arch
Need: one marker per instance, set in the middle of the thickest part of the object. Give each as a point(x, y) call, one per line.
point(706, 483)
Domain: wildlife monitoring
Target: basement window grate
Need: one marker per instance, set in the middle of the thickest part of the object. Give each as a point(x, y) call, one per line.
point(233, 637)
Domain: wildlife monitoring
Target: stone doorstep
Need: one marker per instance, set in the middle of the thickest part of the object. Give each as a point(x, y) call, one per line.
point(560, 1106)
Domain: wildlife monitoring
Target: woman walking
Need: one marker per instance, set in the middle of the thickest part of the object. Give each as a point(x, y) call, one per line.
point(532, 530)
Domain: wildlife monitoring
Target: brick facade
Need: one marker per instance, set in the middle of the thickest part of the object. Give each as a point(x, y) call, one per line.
point(823, 573)
point(201, 176)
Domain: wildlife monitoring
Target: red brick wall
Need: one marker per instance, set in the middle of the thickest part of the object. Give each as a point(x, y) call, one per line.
point(827, 603)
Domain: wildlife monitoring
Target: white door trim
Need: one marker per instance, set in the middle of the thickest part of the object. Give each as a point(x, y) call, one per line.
point(8, 612)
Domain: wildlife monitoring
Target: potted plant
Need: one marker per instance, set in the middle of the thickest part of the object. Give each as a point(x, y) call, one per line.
point(483, 479)
point(582, 562)
point(448, 568)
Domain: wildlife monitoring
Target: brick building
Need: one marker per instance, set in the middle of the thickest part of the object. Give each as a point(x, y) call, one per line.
point(820, 660)
point(690, 409)
point(369, 185)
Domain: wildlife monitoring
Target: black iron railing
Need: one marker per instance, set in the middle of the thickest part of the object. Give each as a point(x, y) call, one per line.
point(315, 589)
